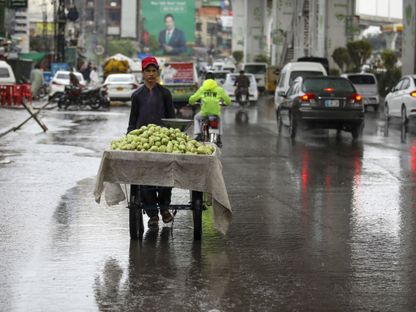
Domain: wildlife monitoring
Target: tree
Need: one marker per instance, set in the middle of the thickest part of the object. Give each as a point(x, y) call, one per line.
point(125, 47)
point(238, 56)
point(389, 59)
point(360, 52)
point(261, 59)
point(389, 78)
point(341, 57)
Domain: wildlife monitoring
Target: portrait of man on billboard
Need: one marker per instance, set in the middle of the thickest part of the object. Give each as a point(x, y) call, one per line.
point(168, 27)
point(171, 39)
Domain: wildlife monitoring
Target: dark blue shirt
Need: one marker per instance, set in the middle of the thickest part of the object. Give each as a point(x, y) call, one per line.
point(149, 106)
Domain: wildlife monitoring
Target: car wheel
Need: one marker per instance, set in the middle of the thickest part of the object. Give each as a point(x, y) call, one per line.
point(278, 121)
point(357, 131)
point(404, 115)
point(386, 112)
point(375, 107)
point(292, 126)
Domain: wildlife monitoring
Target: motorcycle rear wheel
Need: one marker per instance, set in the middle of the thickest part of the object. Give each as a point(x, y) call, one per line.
point(95, 103)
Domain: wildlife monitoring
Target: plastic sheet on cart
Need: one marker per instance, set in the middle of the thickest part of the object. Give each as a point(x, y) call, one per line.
point(201, 173)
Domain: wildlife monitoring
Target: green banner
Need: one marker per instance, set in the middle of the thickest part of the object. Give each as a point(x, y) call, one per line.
point(169, 26)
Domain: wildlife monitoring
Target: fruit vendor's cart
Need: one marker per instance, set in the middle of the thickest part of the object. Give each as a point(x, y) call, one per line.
point(197, 173)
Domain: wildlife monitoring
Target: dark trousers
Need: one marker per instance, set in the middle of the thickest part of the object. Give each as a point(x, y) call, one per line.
point(154, 197)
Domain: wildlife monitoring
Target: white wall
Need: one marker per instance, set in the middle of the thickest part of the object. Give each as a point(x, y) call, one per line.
point(282, 18)
point(409, 37)
point(239, 25)
point(249, 25)
point(128, 18)
point(337, 13)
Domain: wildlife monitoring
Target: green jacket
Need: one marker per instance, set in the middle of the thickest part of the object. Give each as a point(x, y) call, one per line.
point(210, 95)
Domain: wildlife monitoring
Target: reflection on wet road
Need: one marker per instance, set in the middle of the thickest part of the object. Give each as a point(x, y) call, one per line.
point(322, 223)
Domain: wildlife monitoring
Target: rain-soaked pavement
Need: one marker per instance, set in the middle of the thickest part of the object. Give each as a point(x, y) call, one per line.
point(320, 224)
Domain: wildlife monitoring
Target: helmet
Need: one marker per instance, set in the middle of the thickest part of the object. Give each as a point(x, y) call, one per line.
point(209, 75)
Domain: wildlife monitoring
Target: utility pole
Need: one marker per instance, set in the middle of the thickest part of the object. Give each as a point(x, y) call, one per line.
point(45, 26)
point(2, 14)
point(59, 22)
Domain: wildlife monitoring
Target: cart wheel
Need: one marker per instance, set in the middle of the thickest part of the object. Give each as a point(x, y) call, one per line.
point(135, 214)
point(197, 214)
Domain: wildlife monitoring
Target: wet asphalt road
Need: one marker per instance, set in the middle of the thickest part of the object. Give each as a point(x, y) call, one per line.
point(320, 224)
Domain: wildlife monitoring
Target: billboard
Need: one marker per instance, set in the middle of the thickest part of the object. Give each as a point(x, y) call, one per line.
point(168, 27)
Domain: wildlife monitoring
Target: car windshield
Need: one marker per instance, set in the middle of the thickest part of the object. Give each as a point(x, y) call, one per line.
point(303, 73)
point(62, 76)
point(4, 73)
point(65, 76)
point(362, 79)
point(317, 85)
point(232, 78)
point(120, 79)
point(220, 75)
point(255, 69)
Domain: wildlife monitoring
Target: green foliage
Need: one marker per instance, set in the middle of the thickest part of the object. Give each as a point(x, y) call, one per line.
point(123, 46)
point(389, 59)
point(359, 52)
point(238, 56)
point(388, 79)
point(334, 72)
point(261, 59)
point(341, 57)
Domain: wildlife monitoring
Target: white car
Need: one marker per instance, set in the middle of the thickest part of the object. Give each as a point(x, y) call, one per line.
point(120, 87)
point(6, 74)
point(220, 76)
point(367, 87)
point(401, 100)
point(230, 88)
point(290, 72)
point(60, 80)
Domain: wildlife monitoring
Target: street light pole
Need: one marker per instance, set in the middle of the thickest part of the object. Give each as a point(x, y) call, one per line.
point(60, 22)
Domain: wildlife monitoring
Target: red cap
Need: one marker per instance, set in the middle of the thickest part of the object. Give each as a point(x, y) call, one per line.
point(150, 60)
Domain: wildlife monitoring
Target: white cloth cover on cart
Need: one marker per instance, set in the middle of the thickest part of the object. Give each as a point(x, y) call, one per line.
point(193, 172)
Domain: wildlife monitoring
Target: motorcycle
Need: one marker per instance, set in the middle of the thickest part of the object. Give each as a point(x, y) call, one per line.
point(244, 98)
point(210, 129)
point(243, 102)
point(93, 97)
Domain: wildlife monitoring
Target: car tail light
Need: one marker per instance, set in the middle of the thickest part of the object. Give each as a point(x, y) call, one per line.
point(307, 98)
point(213, 123)
point(134, 85)
point(413, 93)
point(355, 98)
point(329, 89)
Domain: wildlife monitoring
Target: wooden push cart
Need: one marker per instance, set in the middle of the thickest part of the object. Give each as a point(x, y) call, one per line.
point(198, 173)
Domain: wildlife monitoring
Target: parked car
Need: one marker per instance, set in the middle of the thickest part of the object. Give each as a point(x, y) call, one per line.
point(290, 72)
point(401, 100)
point(6, 74)
point(60, 80)
point(230, 88)
point(321, 102)
point(120, 87)
point(366, 84)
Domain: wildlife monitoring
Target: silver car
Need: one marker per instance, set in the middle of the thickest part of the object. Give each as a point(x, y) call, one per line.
point(367, 86)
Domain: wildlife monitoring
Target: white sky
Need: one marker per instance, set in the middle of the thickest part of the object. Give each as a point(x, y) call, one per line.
point(35, 9)
point(387, 8)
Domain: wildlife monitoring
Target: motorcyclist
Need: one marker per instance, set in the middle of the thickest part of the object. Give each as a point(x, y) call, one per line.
point(211, 96)
point(242, 84)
